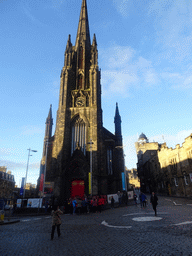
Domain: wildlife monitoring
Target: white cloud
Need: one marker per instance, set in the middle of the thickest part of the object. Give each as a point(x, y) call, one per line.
point(171, 139)
point(130, 151)
point(7, 151)
point(123, 69)
point(173, 23)
point(179, 81)
point(11, 164)
point(123, 6)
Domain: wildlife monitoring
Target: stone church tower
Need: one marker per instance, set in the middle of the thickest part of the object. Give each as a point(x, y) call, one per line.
point(82, 148)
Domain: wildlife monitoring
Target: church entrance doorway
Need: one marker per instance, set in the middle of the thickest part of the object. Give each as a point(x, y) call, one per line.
point(77, 188)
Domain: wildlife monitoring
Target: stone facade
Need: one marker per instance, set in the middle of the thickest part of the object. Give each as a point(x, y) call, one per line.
point(133, 178)
point(166, 170)
point(81, 144)
point(7, 183)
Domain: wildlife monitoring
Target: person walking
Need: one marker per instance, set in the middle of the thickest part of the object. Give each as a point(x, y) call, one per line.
point(144, 199)
point(135, 199)
point(140, 198)
point(154, 202)
point(99, 204)
point(74, 202)
point(94, 205)
point(112, 202)
point(56, 220)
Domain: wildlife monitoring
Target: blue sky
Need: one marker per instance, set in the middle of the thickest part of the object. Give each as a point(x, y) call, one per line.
point(145, 57)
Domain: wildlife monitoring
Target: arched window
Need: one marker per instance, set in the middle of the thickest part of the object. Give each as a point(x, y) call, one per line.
point(78, 135)
point(109, 161)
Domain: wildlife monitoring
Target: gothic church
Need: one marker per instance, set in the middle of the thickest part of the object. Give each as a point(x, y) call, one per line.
point(82, 157)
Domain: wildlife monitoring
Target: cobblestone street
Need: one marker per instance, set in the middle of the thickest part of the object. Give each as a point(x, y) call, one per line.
point(128, 230)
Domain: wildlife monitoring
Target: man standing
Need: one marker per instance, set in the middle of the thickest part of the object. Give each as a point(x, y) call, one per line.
point(154, 202)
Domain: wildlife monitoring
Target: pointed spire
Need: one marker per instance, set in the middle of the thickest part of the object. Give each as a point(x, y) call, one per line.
point(68, 42)
point(83, 28)
point(49, 123)
point(94, 40)
point(48, 129)
point(117, 121)
point(117, 116)
point(50, 114)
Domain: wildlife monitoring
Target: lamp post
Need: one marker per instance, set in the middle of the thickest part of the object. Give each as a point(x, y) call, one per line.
point(45, 168)
point(30, 150)
point(91, 167)
point(47, 143)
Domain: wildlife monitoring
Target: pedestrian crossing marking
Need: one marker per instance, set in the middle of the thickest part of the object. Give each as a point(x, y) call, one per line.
point(111, 226)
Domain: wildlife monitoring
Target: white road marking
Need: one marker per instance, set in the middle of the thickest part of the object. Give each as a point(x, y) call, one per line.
point(48, 217)
point(32, 219)
point(189, 204)
point(134, 213)
point(110, 226)
point(144, 213)
point(146, 218)
point(182, 223)
point(168, 199)
point(176, 204)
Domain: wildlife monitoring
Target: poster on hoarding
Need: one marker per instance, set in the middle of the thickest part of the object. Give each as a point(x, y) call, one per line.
point(130, 195)
point(34, 203)
point(19, 201)
point(115, 196)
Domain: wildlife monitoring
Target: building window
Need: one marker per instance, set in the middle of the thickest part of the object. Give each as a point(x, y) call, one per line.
point(176, 181)
point(109, 161)
point(78, 135)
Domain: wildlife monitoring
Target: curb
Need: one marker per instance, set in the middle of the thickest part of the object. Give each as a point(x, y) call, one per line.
point(9, 222)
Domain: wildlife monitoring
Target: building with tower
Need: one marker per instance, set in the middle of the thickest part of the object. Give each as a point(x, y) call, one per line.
point(145, 151)
point(82, 157)
point(165, 170)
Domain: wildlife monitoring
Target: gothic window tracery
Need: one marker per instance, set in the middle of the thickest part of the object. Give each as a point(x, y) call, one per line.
point(78, 135)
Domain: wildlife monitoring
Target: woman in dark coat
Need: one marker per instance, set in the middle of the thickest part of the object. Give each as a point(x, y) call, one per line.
point(154, 202)
point(56, 220)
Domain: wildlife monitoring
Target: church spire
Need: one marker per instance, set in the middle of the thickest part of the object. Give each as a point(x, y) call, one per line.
point(49, 123)
point(94, 41)
point(68, 42)
point(83, 28)
point(117, 121)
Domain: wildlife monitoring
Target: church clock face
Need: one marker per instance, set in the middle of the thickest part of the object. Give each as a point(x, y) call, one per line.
point(80, 102)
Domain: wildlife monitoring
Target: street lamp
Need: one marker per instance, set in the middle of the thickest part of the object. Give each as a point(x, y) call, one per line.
point(30, 150)
point(45, 170)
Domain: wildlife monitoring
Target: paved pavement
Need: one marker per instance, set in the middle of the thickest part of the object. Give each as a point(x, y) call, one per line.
point(128, 230)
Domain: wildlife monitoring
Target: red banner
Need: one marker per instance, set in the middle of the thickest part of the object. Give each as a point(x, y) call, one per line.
point(41, 182)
